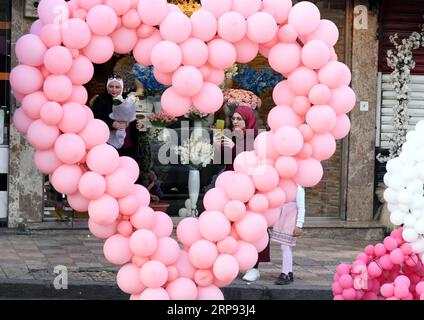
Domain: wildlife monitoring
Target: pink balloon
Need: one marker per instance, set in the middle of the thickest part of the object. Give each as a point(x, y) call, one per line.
point(166, 56)
point(100, 231)
point(96, 132)
point(222, 54)
point(119, 6)
point(215, 199)
point(246, 255)
point(131, 19)
point(286, 167)
point(262, 243)
point(128, 279)
point(265, 178)
point(252, 227)
point(51, 113)
point(124, 40)
point(307, 132)
point(282, 116)
point(119, 183)
point(246, 50)
point(184, 266)
point(117, 249)
point(142, 195)
point(216, 7)
point(204, 278)
point(246, 162)
point(176, 27)
point(343, 100)
point(223, 179)
point(226, 267)
point(46, 161)
point(280, 9)
point(79, 95)
point(86, 4)
point(131, 166)
point(327, 32)
point(289, 187)
point(143, 49)
point(53, 11)
point(182, 289)
point(104, 210)
point(143, 243)
point(203, 254)
point(261, 27)
point(209, 99)
point(74, 118)
point(275, 197)
point(102, 20)
point(92, 185)
point(305, 17)
point(187, 81)
point(58, 60)
point(65, 178)
point(69, 148)
point(58, 88)
point(188, 231)
point(335, 74)
point(100, 49)
point(302, 80)
point(323, 146)
point(143, 218)
point(306, 152)
point(292, 52)
point(154, 294)
point(229, 245)
point(310, 172)
point(42, 136)
point(167, 251)
point(288, 140)
point(246, 7)
point(301, 105)
point(282, 94)
point(203, 25)
point(25, 79)
point(321, 119)
point(214, 226)
point(195, 52)
point(36, 27)
point(174, 104)
point(258, 203)
point(164, 78)
point(145, 31)
point(215, 76)
point(152, 12)
point(342, 127)
point(128, 205)
point(287, 34)
point(232, 26)
point(77, 35)
point(30, 50)
point(401, 291)
point(273, 214)
point(241, 187)
point(32, 104)
point(82, 71)
point(235, 210)
point(163, 225)
point(319, 94)
point(96, 156)
point(264, 147)
point(315, 54)
point(79, 14)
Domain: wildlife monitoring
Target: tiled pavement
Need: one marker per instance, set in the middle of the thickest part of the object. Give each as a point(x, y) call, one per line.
point(31, 258)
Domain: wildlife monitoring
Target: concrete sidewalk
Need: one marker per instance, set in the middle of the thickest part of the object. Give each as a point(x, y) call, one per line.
point(27, 263)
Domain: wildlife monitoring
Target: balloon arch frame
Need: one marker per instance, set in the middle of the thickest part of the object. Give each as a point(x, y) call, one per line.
point(190, 54)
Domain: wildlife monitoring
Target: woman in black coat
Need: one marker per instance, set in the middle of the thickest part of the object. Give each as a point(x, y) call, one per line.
point(102, 108)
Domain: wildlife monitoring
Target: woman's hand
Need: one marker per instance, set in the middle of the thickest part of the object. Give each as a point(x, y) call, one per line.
point(120, 125)
point(228, 143)
point(297, 232)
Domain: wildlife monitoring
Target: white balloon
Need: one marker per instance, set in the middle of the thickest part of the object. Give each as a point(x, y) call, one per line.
point(420, 171)
point(417, 202)
point(397, 218)
point(407, 157)
point(404, 197)
point(183, 212)
point(409, 235)
point(415, 186)
point(409, 221)
point(419, 127)
point(418, 246)
point(392, 207)
point(409, 172)
point(418, 214)
point(390, 195)
point(394, 166)
point(419, 154)
point(396, 182)
point(412, 136)
point(188, 204)
point(403, 208)
point(386, 178)
point(419, 226)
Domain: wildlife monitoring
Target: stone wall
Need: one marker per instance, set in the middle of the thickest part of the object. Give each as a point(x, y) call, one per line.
point(25, 182)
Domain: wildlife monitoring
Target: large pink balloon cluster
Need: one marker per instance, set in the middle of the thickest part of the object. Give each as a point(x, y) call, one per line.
point(189, 54)
point(385, 271)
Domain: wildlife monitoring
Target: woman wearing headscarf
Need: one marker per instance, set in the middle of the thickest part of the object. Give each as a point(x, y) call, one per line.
point(102, 108)
point(244, 128)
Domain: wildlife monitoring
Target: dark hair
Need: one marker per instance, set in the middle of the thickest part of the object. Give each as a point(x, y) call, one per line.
point(115, 76)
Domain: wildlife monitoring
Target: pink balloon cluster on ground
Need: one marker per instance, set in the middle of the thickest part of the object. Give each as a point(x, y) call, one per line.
point(190, 54)
point(385, 271)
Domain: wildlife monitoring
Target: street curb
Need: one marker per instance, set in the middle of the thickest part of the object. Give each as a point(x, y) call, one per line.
point(36, 289)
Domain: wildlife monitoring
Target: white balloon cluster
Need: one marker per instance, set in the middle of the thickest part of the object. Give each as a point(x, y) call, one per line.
point(405, 184)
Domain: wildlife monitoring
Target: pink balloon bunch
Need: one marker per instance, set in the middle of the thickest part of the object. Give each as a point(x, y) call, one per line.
point(190, 55)
point(385, 271)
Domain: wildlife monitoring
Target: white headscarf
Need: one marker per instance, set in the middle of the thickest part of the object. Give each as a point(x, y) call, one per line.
point(114, 79)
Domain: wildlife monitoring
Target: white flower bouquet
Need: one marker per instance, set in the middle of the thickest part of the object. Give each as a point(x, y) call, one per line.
point(196, 152)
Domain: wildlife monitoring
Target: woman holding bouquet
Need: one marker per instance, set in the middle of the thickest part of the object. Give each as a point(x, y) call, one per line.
point(102, 108)
point(244, 131)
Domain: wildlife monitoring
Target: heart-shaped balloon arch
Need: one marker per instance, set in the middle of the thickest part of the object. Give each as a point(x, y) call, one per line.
point(190, 54)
